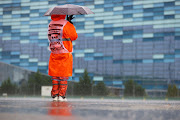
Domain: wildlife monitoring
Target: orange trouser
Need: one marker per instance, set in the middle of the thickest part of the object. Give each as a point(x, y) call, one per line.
point(59, 86)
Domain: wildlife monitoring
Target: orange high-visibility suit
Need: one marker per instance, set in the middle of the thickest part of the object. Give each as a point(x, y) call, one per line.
point(61, 65)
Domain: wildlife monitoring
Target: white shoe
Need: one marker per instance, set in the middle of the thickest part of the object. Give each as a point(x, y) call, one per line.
point(65, 100)
point(62, 99)
point(56, 98)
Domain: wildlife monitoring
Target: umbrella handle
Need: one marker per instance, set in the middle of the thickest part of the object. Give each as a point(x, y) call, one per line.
point(69, 18)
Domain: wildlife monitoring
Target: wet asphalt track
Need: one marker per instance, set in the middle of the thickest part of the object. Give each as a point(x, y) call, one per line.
point(88, 109)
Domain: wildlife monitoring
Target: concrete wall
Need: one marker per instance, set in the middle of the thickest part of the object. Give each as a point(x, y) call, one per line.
point(46, 90)
point(16, 74)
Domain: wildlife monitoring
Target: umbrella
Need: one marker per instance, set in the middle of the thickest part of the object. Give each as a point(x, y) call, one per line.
point(68, 9)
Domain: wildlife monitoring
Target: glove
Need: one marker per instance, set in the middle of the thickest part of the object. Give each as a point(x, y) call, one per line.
point(69, 18)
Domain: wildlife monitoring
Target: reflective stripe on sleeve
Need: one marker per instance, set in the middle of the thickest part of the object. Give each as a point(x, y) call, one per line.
point(66, 39)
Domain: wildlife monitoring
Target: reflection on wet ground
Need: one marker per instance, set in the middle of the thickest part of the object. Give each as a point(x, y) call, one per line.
point(87, 109)
point(59, 109)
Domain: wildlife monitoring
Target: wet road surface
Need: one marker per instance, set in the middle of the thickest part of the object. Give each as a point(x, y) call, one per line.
point(88, 109)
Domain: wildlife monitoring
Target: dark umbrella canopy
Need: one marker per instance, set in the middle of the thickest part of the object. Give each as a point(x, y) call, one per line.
point(68, 9)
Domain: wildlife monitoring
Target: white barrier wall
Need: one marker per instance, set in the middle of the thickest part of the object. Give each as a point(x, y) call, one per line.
point(15, 73)
point(46, 90)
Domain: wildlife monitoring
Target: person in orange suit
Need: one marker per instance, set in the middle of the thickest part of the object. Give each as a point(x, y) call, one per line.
point(61, 33)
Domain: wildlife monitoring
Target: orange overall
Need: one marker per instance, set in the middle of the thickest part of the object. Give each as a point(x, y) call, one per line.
point(61, 65)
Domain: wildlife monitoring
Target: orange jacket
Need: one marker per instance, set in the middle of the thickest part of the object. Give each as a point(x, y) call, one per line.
point(61, 65)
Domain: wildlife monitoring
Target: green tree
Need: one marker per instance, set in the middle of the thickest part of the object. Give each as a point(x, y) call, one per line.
point(36, 80)
point(34, 84)
point(77, 89)
point(133, 89)
point(8, 87)
point(46, 80)
point(175, 90)
point(100, 89)
point(172, 91)
point(84, 86)
point(139, 91)
point(23, 88)
point(129, 87)
point(70, 90)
